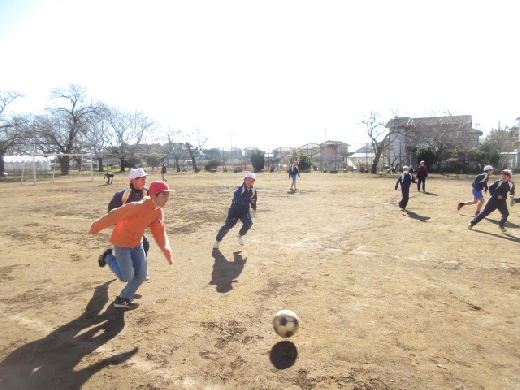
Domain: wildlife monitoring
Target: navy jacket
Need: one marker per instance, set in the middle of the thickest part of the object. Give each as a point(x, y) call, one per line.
point(405, 179)
point(242, 199)
point(480, 182)
point(133, 196)
point(501, 188)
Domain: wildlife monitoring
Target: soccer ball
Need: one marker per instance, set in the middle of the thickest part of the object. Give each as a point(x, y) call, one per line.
point(285, 323)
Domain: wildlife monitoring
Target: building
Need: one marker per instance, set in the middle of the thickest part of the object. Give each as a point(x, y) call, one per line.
point(437, 133)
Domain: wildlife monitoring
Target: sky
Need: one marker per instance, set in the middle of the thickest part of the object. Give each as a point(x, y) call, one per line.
point(269, 73)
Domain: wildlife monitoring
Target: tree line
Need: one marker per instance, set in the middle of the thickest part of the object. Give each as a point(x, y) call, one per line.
point(73, 123)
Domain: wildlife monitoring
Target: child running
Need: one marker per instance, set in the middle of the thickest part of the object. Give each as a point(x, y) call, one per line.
point(498, 191)
point(131, 220)
point(479, 184)
point(406, 179)
point(244, 198)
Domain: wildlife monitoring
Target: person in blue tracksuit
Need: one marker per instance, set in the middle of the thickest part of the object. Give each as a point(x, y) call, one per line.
point(293, 173)
point(478, 185)
point(244, 198)
point(499, 191)
point(405, 179)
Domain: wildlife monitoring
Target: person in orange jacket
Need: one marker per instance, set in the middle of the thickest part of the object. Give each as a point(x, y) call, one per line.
point(128, 262)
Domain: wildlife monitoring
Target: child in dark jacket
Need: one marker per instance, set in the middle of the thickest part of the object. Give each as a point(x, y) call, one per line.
point(406, 179)
point(244, 198)
point(499, 191)
point(421, 175)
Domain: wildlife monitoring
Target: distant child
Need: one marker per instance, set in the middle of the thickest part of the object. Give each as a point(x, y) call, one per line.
point(498, 191)
point(293, 172)
point(479, 184)
point(109, 176)
point(244, 198)
point(163, 172)
point(421, 175)
point(131, 220)
point(406, 179)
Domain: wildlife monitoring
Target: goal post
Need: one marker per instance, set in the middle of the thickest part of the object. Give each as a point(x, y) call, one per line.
point(56, 156)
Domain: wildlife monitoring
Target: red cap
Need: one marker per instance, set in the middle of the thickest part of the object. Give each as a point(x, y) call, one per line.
point(158, 186)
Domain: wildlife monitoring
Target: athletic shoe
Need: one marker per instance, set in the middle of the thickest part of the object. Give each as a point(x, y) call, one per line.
point(460, 206)
point(216, 244)
point(470, 226)
point(126, 303)
point(503, 228)
point(241, 240)
point(147, 278)
point(101, 259)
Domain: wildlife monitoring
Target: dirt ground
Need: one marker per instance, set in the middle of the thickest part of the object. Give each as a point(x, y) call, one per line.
point(387, 299)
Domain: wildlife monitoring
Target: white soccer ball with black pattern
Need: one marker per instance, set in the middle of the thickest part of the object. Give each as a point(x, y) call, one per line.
point(286, 323)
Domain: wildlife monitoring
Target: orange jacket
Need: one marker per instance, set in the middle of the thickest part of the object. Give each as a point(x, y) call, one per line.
point(131, 221)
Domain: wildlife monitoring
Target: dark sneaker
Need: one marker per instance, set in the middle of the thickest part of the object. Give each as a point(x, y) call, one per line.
point(126, 303)
point(459, 206)
point(101, 259)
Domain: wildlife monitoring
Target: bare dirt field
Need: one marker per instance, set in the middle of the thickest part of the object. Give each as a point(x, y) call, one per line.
point(387, 299)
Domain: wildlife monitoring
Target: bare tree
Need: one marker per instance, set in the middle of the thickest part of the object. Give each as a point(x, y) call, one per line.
point(129, 130)
point(69, 119)
point(378, 134)
point(11, 128)
point(176, 149)
point(98, 138)
point(193, 151)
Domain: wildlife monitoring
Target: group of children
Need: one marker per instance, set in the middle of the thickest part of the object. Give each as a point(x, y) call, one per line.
point(499, 191)
point(134, 210)
point(137, 208)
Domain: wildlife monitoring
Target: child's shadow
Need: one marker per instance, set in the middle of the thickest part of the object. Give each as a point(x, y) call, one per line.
point(225, 272)
point(52, 362)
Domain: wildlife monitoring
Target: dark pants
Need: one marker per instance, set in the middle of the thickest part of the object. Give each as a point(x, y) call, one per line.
point(406, 195)
point(232, 220)
point(492, 205)
point(419, 180)
point(146, 245)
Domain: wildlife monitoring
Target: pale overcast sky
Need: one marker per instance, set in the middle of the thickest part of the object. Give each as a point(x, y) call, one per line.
point(269, 73)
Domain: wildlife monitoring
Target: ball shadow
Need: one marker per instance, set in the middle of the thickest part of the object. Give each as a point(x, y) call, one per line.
point(283, 355)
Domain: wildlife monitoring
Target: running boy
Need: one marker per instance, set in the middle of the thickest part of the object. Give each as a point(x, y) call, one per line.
point(479, 184)
point(129, 260)
point(244, 198)
point(498, 191)
point(406, 179)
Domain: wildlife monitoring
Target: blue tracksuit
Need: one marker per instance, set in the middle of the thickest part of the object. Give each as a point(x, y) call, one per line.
point(239, 209)
point(406, 179)
point(497, 188)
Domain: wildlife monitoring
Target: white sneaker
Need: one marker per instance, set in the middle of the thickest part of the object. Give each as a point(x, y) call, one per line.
point(216, 244)
point(241, 240)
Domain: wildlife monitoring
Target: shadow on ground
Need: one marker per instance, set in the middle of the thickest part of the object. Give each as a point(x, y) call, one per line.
point(283, 355)
point(226, 272)
point(49, 363)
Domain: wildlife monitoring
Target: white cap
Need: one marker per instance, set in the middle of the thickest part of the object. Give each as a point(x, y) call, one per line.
point(422, 162)
point(250, 174)
point(405, 167)
point(135, 173)
point(488, 168)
